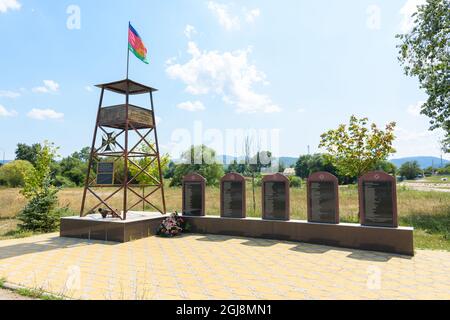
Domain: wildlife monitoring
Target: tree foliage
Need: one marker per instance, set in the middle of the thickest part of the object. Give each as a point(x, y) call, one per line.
point(308, 164)
point(13, 174)
point(152, 167)
point(425, 54)
point(356, 149)
point(28, 153)
point(40, 213)
point(200, 160)
point(410, 170)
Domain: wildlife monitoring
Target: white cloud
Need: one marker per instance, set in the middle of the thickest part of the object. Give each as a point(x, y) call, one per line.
point(301, 110)
point(421, 142)
point(373, 21)
point(49, 86)
point(45, 114)
point(252, 15)
point(9, 94)
point(171, 61)
point(191, 106)
point(189, 31)
point(408, 9)
point(6, 113)
point(6, 5)
point(415, 109)
point(228, 74)
point(158, 121)
point(231, 21)
point(226, 19)
point(89, 88)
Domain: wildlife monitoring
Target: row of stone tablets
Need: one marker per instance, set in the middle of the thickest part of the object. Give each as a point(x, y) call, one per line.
point(377, 198)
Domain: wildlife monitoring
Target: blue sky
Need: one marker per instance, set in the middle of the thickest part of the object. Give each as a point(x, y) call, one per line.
point(300, 67)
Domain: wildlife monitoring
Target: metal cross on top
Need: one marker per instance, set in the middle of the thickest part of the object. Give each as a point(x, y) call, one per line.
point(124, 169)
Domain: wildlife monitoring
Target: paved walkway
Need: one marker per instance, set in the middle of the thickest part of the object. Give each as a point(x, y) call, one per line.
point(219, 267)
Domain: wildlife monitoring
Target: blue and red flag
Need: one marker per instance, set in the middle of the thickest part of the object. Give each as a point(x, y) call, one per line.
point(136, 45)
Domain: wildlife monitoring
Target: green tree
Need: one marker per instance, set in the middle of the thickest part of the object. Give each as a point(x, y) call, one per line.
point(28, 153)
point(410, 170)
point(152, 167)
point(13, 174)
point(424, 53)
point(308, 164)
point(356, 149)
point(40, 213)
point(73, 168)
point(201, 160)
point(387, 167)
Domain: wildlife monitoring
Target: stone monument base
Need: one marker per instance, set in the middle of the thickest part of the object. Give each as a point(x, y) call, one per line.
point(344, 235)
point(93, 227)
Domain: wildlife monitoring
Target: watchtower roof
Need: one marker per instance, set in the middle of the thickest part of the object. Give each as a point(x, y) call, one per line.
point(122, 86)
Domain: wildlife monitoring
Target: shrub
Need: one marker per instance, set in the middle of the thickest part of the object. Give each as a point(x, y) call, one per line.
point(64, 182)
point(13, 174)
point(295, 182)
point(41, 214)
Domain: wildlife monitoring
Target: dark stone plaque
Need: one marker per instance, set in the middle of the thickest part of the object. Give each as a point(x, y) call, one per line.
point(378, 200)
point(194, 195)
point(275, 197)
point(323, 198)
point(232, 196)
point(105, 173)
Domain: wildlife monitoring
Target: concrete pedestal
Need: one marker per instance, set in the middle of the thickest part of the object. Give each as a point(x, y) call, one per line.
point(344, 235)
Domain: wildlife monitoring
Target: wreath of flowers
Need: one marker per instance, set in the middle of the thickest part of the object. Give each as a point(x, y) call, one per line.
point(171, 226)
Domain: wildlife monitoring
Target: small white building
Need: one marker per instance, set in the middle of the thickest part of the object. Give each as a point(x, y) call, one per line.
point(289, 172)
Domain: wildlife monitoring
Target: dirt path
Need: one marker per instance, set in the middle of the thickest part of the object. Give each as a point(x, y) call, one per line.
point(9, 295)
point(422, 186)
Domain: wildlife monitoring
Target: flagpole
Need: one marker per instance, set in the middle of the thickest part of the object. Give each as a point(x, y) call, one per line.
point(128, 50)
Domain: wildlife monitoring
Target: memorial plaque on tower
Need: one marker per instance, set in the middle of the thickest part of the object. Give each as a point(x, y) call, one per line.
point(323, 198)
point(378, 200)
point(194, 195)
point(232, 196)
point(275, 197)
point(105, 173)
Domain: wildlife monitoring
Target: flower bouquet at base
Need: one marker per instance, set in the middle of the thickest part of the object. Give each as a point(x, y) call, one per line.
point(171, 226)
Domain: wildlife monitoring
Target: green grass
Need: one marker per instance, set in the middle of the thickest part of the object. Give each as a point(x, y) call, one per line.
point(36, 294)
point(437, 179)
point(30, 293)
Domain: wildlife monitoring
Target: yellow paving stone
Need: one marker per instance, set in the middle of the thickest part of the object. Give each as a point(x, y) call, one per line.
point(219, 267)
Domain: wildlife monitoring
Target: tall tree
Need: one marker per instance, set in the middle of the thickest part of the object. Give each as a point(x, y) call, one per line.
point(28, 153)
point(410, 170)
point(201, 160)
point(308, 164)
point(424, 53)
point(356, 149)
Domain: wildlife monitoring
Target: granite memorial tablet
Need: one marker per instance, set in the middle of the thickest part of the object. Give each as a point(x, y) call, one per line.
point(232, 196)
point(194, 195)
point(378, 200)
point(275, 197)
point(323, 198)
point(105, 173)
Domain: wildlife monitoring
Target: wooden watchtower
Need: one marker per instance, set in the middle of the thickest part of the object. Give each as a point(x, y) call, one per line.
point(124, 136)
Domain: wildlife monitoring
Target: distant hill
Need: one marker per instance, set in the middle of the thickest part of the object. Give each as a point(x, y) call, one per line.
point(424, 162)
point(288, 161)
point(4, 162)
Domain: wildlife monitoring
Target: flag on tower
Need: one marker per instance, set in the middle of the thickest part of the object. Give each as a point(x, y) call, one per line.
point(136, 45)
